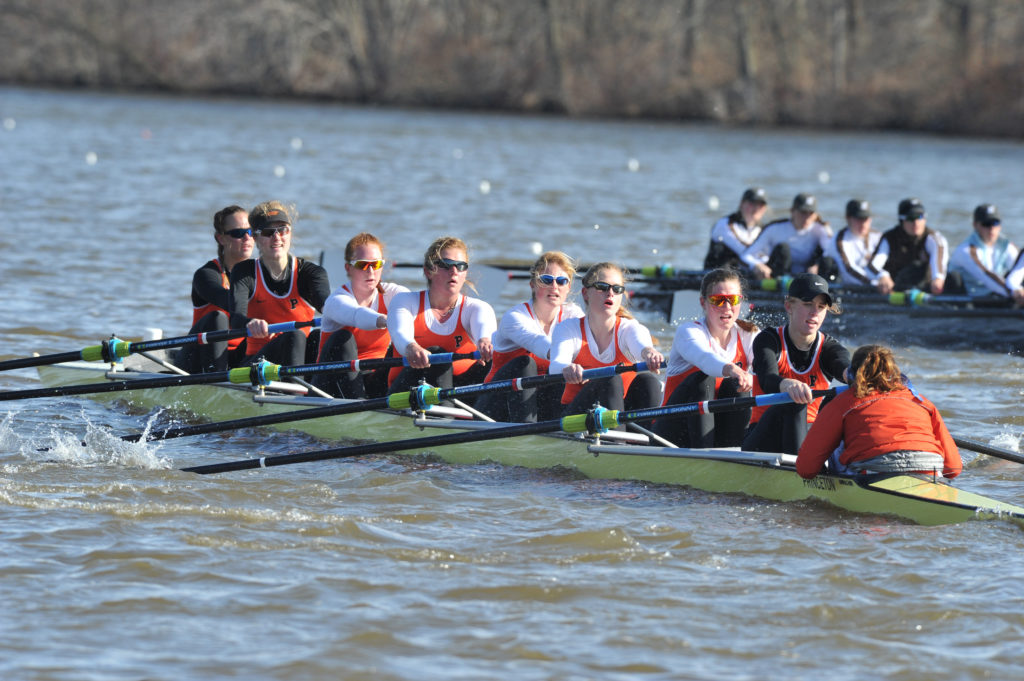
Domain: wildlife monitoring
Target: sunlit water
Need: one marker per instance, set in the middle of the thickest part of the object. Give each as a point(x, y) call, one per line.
point(117, 566)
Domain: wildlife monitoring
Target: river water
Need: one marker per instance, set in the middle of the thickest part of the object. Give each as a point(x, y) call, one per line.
point(116, 566)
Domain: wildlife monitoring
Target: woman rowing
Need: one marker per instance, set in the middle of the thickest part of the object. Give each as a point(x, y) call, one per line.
point(211, 294)
point(441, 319)
point(879, 425)
point(355, 321)
point(522, 345)
point(278, 287)
point(796, 358)
point(607, 335)
point(710, 359)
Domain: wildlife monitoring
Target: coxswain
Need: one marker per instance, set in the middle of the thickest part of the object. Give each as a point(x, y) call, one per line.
point(796, 359)
point(211, 295)
point(879, 425)
point(710, 359)
point(792, 245)
point(853, 245)
point(355, 321)
point(522, 344)
point(986, 256)
point(276, 288)
point(734, 233)
point(911, 255)
point(605, 336)
point(441, 319)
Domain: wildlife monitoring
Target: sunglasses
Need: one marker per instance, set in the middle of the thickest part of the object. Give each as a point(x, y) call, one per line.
point(721, 300)
point(448, 263)
point(604, 286)
point(237, 233)
point(549, 279)
point(367, 264)
point(268, 232)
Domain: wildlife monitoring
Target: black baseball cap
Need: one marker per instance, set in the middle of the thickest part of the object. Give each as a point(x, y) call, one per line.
point(911, 209)
point(987, 214)
point(261, 220)
point(858, 208)
point(805, 203)
point(755, 195)
point(809, 286)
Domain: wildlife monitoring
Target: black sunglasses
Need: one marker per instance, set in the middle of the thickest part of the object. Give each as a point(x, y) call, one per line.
point(448, 263)
point(271, 231)
point(603, 287)
point(237, 233)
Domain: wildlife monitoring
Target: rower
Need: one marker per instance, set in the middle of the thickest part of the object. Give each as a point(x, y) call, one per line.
point(605, 336)
point(278, 287)
point(985, 257)
point(911, 255)
point(710, 359)
point(879, 425)
point(522, 344)
point(355, 321)
point(796, 358)
point(734, 233)
point(793, 245)
point(211, 295)
point(441, 319)
point(852, 247)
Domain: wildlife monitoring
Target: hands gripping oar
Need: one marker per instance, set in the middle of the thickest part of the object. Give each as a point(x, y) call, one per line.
point(114, 350)
point(596, 421)
point(421, 398)
point(261, 373)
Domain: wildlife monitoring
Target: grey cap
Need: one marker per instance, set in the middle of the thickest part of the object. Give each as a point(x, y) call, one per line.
point(809, 286)
point(805, 203)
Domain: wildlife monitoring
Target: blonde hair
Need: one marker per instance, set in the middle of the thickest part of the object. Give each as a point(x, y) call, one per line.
point(873, 369)
point(433, 254)
point(591, 276)
point(553, 258)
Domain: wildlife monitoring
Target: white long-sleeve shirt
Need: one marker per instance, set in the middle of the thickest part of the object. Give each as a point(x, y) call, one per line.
point(802, 243)
point(693, 346)
point(731, 231)
point(342, 309)
point(852, 254)
point(519, 328)
point(477, 318)
point(984, 267)
point(566, 342)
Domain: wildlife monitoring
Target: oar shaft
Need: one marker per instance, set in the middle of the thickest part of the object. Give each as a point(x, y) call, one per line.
point(25, 362)
point(983, 448)
point(115, 386)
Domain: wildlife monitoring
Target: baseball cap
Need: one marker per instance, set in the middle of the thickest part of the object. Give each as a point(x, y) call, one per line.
point(261, 220)
point(805, 203)
point(858, 208)
point(809, 286)
point(911, 209)
point(755, 195)
point(987, 213)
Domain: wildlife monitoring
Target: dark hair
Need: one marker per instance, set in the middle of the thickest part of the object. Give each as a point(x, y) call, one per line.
point(873, 370)
point(220, 217)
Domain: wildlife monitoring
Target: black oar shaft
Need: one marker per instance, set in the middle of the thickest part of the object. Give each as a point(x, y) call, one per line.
point(25, 362)
point(379, 447)
point(92, 388)
point(983, 448)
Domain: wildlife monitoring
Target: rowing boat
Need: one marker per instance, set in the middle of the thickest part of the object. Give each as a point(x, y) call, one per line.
point(618, 456)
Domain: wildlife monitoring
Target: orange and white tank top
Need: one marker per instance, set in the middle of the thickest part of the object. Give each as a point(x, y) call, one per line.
point(500, 359)
point(459, 340)
point(812, 376)
point(739, 359)
point(371, 343)
point(587, 360)
point(274, 309)
point(206, 308)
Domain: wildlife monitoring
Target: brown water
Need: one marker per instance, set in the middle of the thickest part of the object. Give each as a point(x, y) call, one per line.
point(116, 566)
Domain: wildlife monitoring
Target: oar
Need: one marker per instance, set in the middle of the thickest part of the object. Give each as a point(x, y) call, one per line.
point(423, 397)
point(991, 450)
point(261, 373)
point(659, 272)
point(598, 420)
point(115, 349)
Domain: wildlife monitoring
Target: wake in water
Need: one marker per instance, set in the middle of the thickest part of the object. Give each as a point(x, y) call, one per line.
point(98, 447)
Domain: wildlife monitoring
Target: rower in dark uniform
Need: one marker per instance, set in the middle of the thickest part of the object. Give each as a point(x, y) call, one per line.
point(911, 255)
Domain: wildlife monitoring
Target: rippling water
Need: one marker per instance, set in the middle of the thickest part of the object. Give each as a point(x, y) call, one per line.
point(115, 566)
